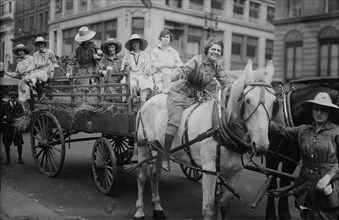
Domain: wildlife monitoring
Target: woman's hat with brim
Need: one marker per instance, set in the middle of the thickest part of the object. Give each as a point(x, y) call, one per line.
point(143, 42)
point(13, 94)
point(109, 41)
point(323, 99)
point(20, 47)
point(84, 34)
point(40, 40)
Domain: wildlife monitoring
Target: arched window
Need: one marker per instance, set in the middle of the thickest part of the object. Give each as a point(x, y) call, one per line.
point(328, 64)
point(293, 55)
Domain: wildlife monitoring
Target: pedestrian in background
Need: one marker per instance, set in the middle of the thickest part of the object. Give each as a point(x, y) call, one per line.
point(316, 190)
point(10, 111)
point(164, 60)
point(135, 61)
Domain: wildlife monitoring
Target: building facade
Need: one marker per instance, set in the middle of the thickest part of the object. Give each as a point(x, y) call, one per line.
point(245, 26)
point(306, 42)
point(31, 19)
point(7, 8)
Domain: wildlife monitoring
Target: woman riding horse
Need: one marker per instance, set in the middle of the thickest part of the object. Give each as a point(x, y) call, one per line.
point(190, 80)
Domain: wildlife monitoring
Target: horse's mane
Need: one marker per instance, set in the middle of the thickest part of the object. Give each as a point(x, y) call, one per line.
point(247, 77)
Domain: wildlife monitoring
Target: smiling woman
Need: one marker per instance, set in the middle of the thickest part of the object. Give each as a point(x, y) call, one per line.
point(188, 86)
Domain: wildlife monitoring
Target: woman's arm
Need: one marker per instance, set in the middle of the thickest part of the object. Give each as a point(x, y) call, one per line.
point(290, 133)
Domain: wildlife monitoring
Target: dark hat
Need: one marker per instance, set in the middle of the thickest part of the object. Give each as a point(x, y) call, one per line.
point(40, 40)
point(13, 94)
point(109, 41)
point(323, 99)
point(84, 34)
point(143, 42)
point(20, 47)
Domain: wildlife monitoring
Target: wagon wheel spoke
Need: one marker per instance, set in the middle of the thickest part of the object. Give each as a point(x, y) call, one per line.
point(191, 173)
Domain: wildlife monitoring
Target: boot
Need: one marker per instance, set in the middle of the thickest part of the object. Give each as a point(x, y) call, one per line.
point(165, 159)
point(41, 91)
point(20, 154)
point(283, 210)
point(7, 150)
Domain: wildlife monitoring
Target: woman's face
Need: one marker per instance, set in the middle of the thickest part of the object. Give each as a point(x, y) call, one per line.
point(21, 53)
point(320, 113)
point(111, 49)
point(165, 39)
point(40, 46)
point(214, 52)
point(136, 45)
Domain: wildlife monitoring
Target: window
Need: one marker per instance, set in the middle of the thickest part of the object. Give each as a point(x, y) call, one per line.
point(218, 4)
point(196, 5)
point(96, 4)
point(333, 5)
point(98, 28)
point(31, 22)
point(10, 7)
point(41, 22)
point(254, 10)
point(243, 48)
point(328, 52)
point(194, 40)
point(2, 10)
point(293, 55)
point(238, 7)
point(295, 8)
point(46, 20)
point(270, 14)
point(111, 29)
point(138, 24)
point(69, 7)
point(174, 3)
point(83, 5)
point(177, 30)
point(68, 42)
point(269, 50)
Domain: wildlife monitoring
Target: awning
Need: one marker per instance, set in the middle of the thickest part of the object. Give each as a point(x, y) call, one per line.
point(7, 81)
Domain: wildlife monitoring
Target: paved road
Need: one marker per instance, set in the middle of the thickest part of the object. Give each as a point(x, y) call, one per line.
point(73, 194)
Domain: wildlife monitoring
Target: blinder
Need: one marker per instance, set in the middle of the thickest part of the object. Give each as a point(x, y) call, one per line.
point(275, 109)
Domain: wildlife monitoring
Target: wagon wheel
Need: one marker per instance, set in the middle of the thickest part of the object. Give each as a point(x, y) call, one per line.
point(48, 143)
point(191, 173)
point(120, 144)
point(104, 167)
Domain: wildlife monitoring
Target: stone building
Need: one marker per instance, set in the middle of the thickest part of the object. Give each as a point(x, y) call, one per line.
point(245, 26)
point(6, 31)
point(306, 41)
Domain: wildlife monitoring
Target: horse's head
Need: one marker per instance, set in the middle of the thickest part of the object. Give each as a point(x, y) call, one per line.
point(251, 102)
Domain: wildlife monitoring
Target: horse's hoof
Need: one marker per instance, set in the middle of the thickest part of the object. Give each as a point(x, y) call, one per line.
point(158, 215)
point(139, 218)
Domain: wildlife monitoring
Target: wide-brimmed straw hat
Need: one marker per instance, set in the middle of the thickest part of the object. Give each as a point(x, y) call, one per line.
point(109, 41)
point(13, 94)
point(84, 34)
point(323, 99)
point(39, 40)
point(20, 47)
point(143, 42)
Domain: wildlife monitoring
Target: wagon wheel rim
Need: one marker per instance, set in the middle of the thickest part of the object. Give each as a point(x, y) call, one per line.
point(120, 144)
point(48, 144)
point(191, 173)
point(104, 167)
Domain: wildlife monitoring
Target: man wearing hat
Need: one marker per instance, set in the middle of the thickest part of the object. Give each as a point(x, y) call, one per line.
point(43, 67)
point(21, 72)
point(10, 111)
point(86, 54)
point(316, 190)
point(109, 65)
point(136, 60)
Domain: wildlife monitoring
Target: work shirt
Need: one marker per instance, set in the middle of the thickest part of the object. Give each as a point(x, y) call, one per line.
point(161, 56)
point(115, 62)
point(44, 59)
point(137, 62)
point(83, 54)
point(318, 151)
point(21, 67)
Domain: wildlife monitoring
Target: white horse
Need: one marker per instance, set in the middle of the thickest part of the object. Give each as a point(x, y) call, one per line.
point(251, 101)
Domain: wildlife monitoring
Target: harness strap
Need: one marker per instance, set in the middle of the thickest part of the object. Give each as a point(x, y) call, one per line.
point(287, 109)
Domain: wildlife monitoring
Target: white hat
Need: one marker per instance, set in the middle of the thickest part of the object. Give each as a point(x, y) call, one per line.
point(39, 40)
point(323, 99)
point(84, 34)
point(143, 42)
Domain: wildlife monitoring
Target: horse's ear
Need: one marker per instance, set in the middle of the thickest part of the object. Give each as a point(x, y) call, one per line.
point(269, 70)
point(248, 70)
